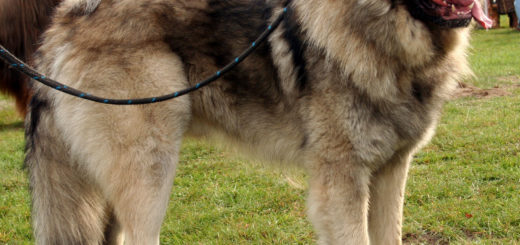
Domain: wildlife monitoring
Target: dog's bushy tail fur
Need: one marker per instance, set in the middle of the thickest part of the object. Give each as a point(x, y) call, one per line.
point(21, 23)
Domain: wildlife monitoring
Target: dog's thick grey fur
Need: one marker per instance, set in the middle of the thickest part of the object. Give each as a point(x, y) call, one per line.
point(347, 89)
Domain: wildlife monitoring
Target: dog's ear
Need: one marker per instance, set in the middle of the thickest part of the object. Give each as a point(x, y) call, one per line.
point(82, 7)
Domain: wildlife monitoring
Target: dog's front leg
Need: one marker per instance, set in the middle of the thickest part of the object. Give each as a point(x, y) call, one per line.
point(386, 200)
point(338, 201)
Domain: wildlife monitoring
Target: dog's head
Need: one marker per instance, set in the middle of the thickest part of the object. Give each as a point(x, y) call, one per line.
point(448, 13)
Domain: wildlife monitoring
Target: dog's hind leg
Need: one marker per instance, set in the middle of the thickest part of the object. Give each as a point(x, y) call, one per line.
point(338, 202)
point(109, 158)
point(66, 207)
point(137, 147)
point(130, 174)
point(386, 201)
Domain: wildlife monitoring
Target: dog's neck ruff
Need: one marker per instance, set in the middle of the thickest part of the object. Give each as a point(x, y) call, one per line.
point(20, 66)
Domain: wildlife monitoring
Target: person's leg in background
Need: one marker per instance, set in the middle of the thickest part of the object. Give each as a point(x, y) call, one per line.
point(517, 10)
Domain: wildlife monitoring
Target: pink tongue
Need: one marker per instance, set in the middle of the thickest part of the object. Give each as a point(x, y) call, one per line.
point(461, 2)
point(480, 17)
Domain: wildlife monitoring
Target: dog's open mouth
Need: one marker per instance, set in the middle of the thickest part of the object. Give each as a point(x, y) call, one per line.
point(450, 13)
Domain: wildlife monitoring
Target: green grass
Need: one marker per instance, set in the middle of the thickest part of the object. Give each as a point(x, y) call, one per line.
point(496, 50)
point(465, 185)
point(495, 58)
point(221, 200)
point(463, 188)
point(14, 196)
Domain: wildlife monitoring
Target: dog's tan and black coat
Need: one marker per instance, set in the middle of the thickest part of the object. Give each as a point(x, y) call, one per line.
point(348, 89)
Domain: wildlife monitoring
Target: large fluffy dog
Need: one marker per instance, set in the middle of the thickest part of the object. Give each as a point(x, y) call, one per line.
point(348, 89)
point(21, 23)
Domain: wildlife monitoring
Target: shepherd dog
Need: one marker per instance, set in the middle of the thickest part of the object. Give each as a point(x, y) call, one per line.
point(21, 23)
point(348, 90)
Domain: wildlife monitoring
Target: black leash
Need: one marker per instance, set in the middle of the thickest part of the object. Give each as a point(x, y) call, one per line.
point(19, 65)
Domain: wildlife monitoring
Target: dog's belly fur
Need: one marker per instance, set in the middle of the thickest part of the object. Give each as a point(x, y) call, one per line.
point(350, 105)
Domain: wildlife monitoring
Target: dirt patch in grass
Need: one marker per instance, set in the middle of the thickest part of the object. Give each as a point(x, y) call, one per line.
point(513, 79)
point(473, 235)
point(426, 238)
point(467, 90)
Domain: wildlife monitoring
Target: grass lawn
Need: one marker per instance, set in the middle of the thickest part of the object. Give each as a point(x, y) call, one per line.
point(463, 188)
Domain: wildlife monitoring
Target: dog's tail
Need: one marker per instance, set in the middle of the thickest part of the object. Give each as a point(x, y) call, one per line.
point(21, 23)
